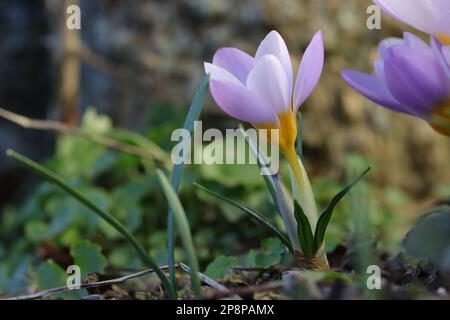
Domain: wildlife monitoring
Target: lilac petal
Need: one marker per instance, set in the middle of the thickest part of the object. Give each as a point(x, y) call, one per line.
point(441, 10)
point(416, 13)
point(274, 44)
point(218, 73)
point(438, 51)
point(446, 53)
point(268, 80)
point(240, 103)
point(237, 62)
point(309, 71)
point(386, 44)
point(414, 79)
point(414, 42)
point(372, 88)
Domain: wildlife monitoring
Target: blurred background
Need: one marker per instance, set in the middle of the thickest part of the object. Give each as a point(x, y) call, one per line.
point(139, 62)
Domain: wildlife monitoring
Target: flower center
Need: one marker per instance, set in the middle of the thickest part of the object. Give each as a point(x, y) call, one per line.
point(288, 130)
point(440, 118)
point(444, 38)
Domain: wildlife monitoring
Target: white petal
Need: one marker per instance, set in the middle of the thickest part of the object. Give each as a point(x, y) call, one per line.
point(274, 44)
point(268, 80)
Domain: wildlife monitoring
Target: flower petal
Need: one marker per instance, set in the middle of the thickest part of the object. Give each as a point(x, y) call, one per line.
point(268, 80)
point(441, 11)
point(241, 103)
point(414, 42)
point(415, 80)
point(218, 73)
point(439, 53)
point(274, 44)
point(237, 62)
point(236, 100)
point(309, 71)
point(416, 13)
point(386, 44)
point(372, 88)
point(446, 53)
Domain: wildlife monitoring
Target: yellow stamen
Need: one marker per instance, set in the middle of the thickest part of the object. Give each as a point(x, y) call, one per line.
point(440, 119)
point(287, 130)
point(444, 39)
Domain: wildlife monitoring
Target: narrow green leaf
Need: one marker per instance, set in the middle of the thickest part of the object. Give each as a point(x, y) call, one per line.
point(183, 228)
point(53, 178)
point(254, 214)
point(325, 217)
point(192, 116)
point(305, 234)
point(261, 158)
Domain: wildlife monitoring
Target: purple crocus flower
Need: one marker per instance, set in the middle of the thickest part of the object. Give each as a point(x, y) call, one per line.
point(261, 89)
point(430, 16)
point(410, 77)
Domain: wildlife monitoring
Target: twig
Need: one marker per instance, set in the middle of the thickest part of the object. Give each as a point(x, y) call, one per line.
point(51, 292)
point(205, 279)
point(60, 127)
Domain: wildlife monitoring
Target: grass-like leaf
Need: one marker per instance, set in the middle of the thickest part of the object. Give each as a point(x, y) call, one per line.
point(254, 214)
point(276, 189)
point(192, 116)
point(305, 233)
point(325, 217)
point(260, 159)
point(183, 229)
point(58, 181)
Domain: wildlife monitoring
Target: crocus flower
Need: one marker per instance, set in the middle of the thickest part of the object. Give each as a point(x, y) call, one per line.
point(261, 90)
point(430, 16)
point(410, 77)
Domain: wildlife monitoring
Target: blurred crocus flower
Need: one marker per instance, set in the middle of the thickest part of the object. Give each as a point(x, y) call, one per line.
point(430, 16)
point(260, 90)
point(410, 77)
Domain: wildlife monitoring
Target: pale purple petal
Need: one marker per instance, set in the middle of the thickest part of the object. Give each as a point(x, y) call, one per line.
point(386, 44)
point(372, 88)
point(218, 73)
point(446, 53)
point(441, 10)
point(274, 44)
point(240, 103)
point(414, 42)
point(416, 13)
point(438, 51)
point(309, 71)
point(415, 80)
point(268, 80)
point(237, 62)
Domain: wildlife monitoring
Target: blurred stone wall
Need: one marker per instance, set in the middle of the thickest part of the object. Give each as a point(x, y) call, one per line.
point(148, 51)
point(26, 83)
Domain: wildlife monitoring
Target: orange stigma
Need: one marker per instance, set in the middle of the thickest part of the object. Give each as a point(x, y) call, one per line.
point(444, 39)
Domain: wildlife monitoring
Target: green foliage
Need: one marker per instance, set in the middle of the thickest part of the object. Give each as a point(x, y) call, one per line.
point(220, 267)
point(111, 220)
point(258, 217)
point(310, 242)
point(305, 234)
point(183, 228)
point(88, 257)
point(189, 124)
point(270, 254)
point(429, 239)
